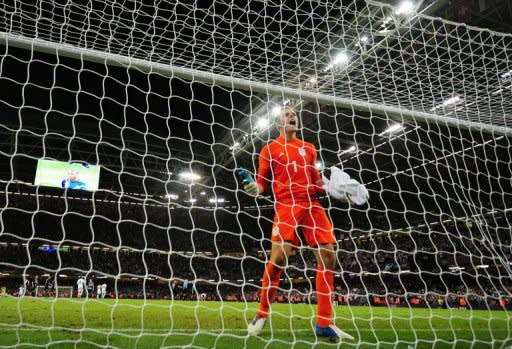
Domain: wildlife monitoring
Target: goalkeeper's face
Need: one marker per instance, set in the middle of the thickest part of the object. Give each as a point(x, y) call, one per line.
point(288, 120)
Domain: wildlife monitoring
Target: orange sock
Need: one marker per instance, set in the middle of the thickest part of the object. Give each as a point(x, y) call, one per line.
point(269, 286)
point(324, 289)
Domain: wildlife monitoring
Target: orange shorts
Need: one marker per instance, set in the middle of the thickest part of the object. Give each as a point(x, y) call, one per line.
point(310, 217)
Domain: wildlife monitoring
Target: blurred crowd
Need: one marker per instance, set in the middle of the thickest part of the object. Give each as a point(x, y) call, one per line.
point(158, 252)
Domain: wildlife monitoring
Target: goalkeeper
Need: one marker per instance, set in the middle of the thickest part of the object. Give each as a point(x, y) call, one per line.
point(295, 183)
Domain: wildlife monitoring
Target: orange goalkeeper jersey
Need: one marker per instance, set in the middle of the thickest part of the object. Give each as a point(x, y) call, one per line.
point(290, 166)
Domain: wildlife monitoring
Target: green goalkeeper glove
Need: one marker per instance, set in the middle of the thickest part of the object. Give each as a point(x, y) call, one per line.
point(250, 185)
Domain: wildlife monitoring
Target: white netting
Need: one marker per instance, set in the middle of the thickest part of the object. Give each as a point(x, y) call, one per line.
point(149, 92)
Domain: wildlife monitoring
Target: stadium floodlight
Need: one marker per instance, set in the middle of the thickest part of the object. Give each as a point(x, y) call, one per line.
point(319, 165)
point(451, 101)
point(192, 200)
point(275, 111)
point(350, 149)
point(482, 266)
point(405, 8)
point(190, 176)
point(506, 75)
point(235, 145)
point(263, 123)
point(391, 129)
point(203, 193)
point(341, 58)
point(172, 196)
point(218, 200)
point(455, 268)
point(364, 39)
point(313, 80)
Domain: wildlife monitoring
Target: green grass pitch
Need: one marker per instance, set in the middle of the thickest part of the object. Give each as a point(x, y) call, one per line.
point(76, 323)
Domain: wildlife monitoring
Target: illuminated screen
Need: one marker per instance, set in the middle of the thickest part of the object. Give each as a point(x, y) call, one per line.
point(80, 176)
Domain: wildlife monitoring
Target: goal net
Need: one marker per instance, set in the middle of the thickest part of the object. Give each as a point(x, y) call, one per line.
point(123, 127)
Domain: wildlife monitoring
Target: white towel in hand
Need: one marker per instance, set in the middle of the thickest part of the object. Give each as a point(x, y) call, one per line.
point(344, 188)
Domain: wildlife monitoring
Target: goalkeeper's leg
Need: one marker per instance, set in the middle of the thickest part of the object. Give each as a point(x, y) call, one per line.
point(326, 262)
point(270, 282)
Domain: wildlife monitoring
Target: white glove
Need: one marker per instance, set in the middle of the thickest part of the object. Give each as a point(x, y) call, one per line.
point(344, 188)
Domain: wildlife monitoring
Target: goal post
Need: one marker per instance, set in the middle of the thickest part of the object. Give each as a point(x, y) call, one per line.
point(123, 130)
point(396, 113)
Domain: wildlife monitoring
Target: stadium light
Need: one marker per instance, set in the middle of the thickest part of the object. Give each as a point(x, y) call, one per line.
point(456, 268)
point(391, 129)
point(405, 8)
point(364, 39)
point(214, 200)
point(350, 149)
point(319, 165)
point(275, 112)
point(235, 145)
point(203, 193)
point(482, 266)
point(506, 77)
point(172, 196)
point(191, 176)
point(341, 58)
point(263, 122)
point(451, 101)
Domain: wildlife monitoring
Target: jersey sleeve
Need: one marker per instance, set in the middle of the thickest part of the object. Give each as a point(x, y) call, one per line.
point(264, 170)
